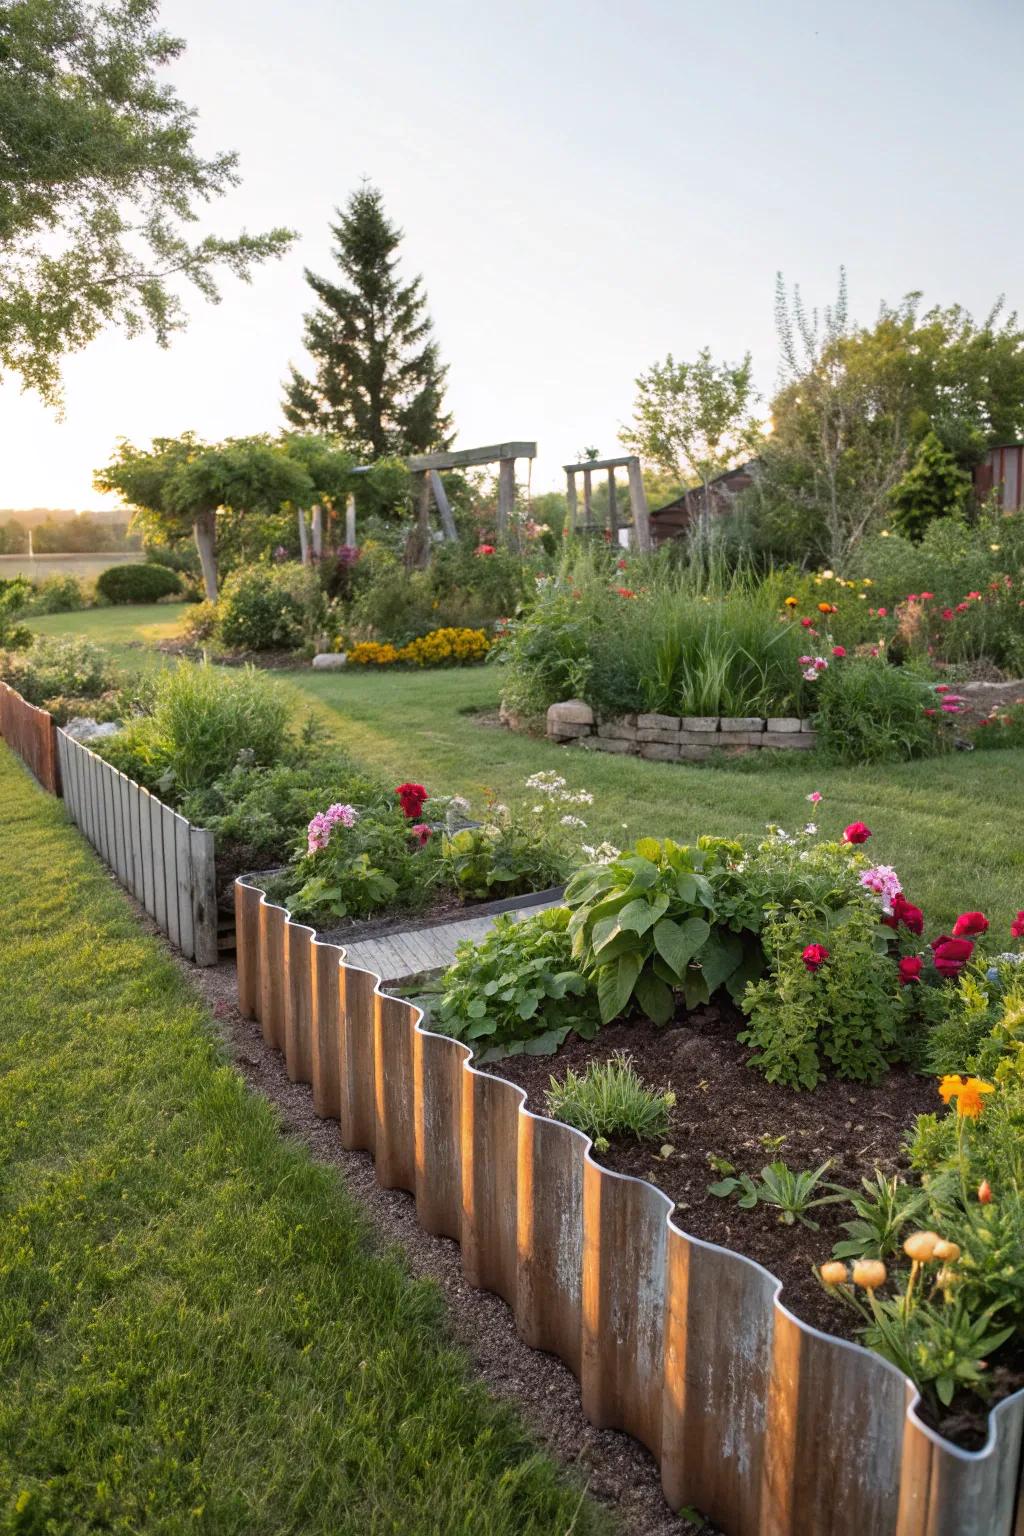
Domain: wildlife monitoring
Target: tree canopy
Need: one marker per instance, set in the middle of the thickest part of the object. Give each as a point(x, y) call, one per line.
point(378, 381)
point(99, 179)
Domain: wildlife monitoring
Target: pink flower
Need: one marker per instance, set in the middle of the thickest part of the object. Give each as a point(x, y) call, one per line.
point(806, 623)
point(839, 650)
point(947, 613)
point(814, 957)
point(856, 832)
point(927, 596)
point(884, 882)
point(422, 833)
point(816, 797)
point(883, 613)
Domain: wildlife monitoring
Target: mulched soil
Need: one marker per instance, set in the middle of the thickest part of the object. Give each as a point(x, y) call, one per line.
point(726, 1110)
point(981, 698)
point(267, 661)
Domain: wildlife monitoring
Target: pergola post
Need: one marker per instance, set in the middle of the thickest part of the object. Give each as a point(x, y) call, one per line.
point(638, 501)
point(451, 533)
point(570, 500)
point(613, 509)
point(303, 536)
point(588, 510)
point(318, 532)
point(350, 521)
point(506, 495)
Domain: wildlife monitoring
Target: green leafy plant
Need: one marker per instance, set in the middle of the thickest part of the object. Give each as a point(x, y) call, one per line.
point(885, 1208)
point(939, 1346)
point(611, 1099)
point(265, 607)
point(507, 855)
point(793, 1194)
point(366, 867)
point(842, 1016)
point(518, 991)
point(643, 925)
point(871, 712)
point(54, 665)
point(137, 583)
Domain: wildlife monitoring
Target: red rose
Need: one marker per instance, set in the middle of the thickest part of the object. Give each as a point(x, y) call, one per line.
point(968, 924)
point(412, 798)
point(1017, 926)
point(422, 833)
point(906, 913)
point(839, 650)
point(814, 956)
point(856, 832)
point(947, 613)
point(941, 687)
point(951, 954)
point(910, 969)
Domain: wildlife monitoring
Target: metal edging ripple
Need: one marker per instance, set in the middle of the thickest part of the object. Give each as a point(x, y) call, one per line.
point(768, 1425)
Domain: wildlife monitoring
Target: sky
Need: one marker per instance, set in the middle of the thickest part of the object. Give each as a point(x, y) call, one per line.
point(584, 187)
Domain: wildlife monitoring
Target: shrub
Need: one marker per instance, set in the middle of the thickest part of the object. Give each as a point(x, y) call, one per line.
point(458, 590)
point(53, 665)
point(359, 863)
point(266, 608)
point(201, 623)
point(109, 706)
point(14, 598)
point(507, 855)
point(610, 1099)
point(870, 712)
point(202, 720)
point(830, 996)
point(137, 583)
point(59, 594)
point(518, 991)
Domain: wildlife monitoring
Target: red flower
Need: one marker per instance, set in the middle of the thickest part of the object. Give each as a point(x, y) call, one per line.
point(806, 623)
point(961, 607)
point(883, 613)
point(984, 1193)
point(941, 687)
point(969, 924)
point(925, 596)
point(929, 711)
point(625, 592)
point(484, 549)
point(910, 969)
point(903, 911)
point(947, 613)
point(911, 597)
point(951, 954)
point(839, 650)
point(856, 832)
point(620, 565)
point(974, 594)
point(412, 798)
point(422, 833)
point(814, 957)
point(1017, 926)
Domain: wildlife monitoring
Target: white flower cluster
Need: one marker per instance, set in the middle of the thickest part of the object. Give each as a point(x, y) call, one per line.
point(604, 853)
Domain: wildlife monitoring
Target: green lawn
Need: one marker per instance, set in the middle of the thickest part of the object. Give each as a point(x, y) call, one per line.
point(195, 1333)
point(125, 628)
point(950, 826)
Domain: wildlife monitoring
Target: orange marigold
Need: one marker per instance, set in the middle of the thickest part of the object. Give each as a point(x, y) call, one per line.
point(968, 1092)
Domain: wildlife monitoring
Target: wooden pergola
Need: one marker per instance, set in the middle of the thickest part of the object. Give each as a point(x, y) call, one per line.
point(637, 498)
point(427, 467)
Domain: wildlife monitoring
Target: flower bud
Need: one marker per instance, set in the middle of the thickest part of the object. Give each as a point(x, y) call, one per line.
point(985, 1192)
point(834, 1272)
point(870, 1273)
point(920, 1246)
point(946, 1251)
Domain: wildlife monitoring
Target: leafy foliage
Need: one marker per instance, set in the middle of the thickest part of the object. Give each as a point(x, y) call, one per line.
point(934, 486)
point(793, 1194)
point(870, 712)
point(264, 608)
point(15, 594)
point(644, 926)
point(99, 176)
point(884, 1210)
point(57, 665)
point(610, 1099)
point(518, 992)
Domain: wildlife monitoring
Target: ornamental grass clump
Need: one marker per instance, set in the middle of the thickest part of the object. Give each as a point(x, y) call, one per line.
point(610, 1099)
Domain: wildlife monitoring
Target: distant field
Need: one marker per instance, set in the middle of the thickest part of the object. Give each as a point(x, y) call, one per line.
point(86, 566)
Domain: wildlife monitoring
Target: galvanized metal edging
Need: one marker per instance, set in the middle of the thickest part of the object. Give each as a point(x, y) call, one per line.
point(768, 1425)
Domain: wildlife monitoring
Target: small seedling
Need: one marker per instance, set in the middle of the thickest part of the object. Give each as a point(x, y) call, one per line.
point(790, 1192)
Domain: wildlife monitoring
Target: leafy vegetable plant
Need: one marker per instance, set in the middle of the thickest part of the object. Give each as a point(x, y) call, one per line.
point(793, 1193)
point(518, 991)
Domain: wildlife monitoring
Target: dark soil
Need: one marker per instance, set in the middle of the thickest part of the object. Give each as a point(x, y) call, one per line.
point(981, 698)
point(725, 1110)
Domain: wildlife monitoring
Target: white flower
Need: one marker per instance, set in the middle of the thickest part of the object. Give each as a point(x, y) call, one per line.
point(537, 809)
point(811, 828)
point(501, 810)
point(457, 803)
point(571, 821)
point(581, 797)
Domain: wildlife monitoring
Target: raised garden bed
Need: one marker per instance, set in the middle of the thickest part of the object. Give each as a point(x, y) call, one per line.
point(675, 738)
point(757, 1418)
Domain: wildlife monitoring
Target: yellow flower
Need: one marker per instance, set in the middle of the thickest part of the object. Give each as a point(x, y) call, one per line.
point(870, 1273)
point(967, 1091)
point(920, 1246)
point(995, 548)
point(834, 1273)
point(791, 602)
point(885, 533)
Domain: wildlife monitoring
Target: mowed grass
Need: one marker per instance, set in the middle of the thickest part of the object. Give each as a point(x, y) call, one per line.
point(129, 630)
point(951, 826)
point(195, 1333)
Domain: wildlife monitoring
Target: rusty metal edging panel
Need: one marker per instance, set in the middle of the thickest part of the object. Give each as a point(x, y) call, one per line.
point(769, 1426)
point(31, 733)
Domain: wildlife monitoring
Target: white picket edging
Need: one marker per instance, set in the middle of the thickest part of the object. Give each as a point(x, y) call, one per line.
point(166, 862)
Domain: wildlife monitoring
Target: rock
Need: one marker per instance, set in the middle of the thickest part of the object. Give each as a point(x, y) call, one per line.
point(330, 661)
point(746, 723)
point(657, 723)
point(659, 751)
point(571, 712)
point(700, 722)
point(694, 754)
point(783, 725)
point(806, 725)
point(616, 730)
point(607, 744)
point(803, 741)
point(565, 730)
point(667, 738)
point(84, 728)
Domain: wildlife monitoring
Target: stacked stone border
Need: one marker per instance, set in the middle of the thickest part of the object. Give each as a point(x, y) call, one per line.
point(676, 738)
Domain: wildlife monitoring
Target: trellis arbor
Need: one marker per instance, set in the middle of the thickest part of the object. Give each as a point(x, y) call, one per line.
point(637, 498)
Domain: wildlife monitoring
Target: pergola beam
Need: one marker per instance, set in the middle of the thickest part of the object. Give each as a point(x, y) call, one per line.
point(623, 463)
point(467, 458)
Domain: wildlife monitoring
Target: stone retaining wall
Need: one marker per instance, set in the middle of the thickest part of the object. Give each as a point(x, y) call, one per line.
point(674, 738)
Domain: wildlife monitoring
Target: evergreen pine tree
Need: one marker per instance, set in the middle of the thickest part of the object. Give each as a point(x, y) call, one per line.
point(933, 486)
point(379, 382)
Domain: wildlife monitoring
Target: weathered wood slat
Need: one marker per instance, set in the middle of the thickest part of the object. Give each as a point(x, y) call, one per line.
point(183, 877)
point(159, 863)
point(204, 895)
point(170, 873)
point(32, 734)
point(146, 845)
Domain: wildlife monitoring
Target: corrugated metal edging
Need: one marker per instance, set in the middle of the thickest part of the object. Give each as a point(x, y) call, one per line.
point(32, 734)
point(166, 862)
point(767, 1425)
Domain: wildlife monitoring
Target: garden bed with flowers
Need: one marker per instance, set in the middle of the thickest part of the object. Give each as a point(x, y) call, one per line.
point(766, 1030)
